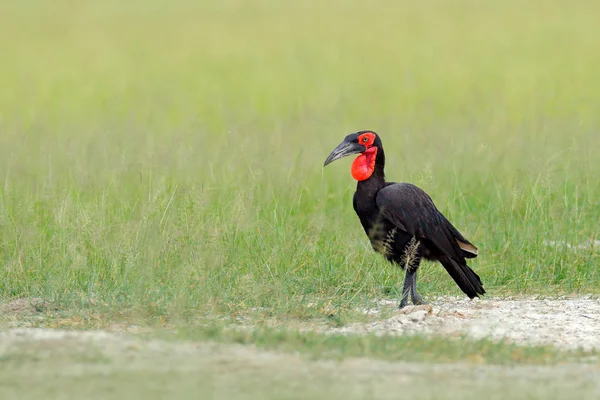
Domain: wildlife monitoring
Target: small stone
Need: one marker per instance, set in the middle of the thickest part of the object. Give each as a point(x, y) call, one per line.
point(411, 309)
point(418, 315)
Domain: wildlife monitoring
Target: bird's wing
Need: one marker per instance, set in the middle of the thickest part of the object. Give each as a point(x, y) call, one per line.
point(412, 210)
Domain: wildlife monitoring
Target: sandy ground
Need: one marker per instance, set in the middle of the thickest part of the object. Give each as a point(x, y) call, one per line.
point(59, 364)
point(565, 323)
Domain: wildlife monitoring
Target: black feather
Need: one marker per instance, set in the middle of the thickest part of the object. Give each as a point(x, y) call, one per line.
point(411, 209)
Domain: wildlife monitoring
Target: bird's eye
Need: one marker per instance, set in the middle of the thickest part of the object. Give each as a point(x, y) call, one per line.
point(365, 139)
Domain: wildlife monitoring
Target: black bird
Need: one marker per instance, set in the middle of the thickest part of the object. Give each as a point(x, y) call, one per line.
point(402, 222)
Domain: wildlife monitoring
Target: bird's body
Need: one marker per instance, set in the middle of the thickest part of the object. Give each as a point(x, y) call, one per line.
point(402, 222)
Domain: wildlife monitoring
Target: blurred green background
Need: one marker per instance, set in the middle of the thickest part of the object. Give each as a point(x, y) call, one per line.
point(167, 155)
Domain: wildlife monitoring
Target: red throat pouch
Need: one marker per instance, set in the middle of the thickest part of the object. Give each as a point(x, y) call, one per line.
point(364, 165)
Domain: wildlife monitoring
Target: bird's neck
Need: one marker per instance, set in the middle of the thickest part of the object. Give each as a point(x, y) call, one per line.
point(376, 181)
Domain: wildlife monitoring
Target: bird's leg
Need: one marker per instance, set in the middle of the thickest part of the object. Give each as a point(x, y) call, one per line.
point(411, 260)
point(410, 287)
point(415, 296)
point(408, 279)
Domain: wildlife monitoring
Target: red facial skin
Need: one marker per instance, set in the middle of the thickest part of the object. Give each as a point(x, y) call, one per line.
point(364, 165)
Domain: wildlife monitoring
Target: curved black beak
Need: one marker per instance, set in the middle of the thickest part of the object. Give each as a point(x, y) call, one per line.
point(344, 149)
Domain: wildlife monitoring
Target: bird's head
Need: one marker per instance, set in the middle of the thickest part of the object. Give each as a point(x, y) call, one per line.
point(365, 143)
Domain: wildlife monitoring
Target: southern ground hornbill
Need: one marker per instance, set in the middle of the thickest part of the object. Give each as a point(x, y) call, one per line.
point(402, 222)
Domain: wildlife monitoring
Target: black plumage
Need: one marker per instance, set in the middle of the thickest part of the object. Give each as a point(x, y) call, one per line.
point(402, 222)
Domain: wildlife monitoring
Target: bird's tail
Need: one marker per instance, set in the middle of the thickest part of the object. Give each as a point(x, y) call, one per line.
point(467, 248)
point(466, 279)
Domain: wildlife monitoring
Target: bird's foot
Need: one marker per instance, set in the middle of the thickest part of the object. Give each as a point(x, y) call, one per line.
point(417, 300)
point(413, 309)
point(404, 299)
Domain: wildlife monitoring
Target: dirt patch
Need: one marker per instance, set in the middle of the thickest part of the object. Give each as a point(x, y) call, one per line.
point(565, 323)
point(24, 306)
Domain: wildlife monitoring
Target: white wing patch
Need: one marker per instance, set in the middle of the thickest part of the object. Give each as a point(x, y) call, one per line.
point(469, 248)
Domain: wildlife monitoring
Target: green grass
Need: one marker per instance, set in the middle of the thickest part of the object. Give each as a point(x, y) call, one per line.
point(166, 157)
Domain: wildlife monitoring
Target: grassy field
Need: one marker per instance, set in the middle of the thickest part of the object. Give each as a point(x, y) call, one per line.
point(161, 161)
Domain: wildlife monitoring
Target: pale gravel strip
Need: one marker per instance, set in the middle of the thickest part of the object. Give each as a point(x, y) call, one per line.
point(566, 323)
